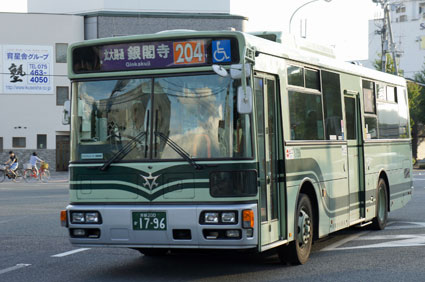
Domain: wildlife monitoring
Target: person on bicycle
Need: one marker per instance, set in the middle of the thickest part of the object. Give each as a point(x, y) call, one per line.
point(33, 161)
point(13, 163)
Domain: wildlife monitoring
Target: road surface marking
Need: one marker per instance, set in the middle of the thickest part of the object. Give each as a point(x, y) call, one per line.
point(400, 241)
point(410, 226)
point(335, 245)
point(70, 253)
point(392, 241)
point(18, 266)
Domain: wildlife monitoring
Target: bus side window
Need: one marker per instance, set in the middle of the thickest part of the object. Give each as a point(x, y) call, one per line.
point(306, 116)
point(371, 121)
point(332, 105)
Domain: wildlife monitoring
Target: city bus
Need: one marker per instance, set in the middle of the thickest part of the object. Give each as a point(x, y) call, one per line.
point(213, 140)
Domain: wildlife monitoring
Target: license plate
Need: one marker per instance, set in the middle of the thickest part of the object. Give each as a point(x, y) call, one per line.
point(149, 221)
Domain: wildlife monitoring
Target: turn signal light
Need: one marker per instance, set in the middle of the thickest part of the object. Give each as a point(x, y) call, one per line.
point(63, 218)
point(248, 219)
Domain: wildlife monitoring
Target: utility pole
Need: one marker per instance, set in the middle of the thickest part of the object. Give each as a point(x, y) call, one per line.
point(387, 40)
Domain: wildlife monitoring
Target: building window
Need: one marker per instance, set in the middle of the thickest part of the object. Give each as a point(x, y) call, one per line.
point(1, 144)
point(400, 9)
point(61, 95)
point(19, 142)
point(422, 8)
point(41, 141)
point(402, 18)
point(61, 50)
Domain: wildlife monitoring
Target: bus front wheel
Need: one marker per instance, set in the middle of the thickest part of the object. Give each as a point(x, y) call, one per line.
point(380, 221)
point(298, 251)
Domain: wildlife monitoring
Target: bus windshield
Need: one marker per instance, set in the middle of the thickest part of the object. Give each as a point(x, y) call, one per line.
point(198, 113)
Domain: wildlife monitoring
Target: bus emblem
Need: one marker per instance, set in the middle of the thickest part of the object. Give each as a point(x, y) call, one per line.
point(150, 181)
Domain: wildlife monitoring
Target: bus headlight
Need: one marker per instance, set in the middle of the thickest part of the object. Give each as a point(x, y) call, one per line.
point(92, 217)
point(77, 217)
point(228, 217)
point(211, 217)
point(85, 217)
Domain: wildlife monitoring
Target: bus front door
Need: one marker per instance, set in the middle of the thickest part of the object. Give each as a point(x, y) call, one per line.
point(355, 157)
point(268, 132)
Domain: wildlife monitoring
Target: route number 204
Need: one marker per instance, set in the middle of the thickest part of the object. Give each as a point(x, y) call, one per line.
point(189, 52)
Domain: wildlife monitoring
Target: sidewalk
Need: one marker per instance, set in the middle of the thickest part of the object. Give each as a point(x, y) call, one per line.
point(59, 176)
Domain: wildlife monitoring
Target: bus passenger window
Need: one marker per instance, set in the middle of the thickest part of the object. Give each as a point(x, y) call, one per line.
point(332, 105)
point(312, 79)
point(369, 97)
point(306, 116)
point(371, 130)
point(296, 76)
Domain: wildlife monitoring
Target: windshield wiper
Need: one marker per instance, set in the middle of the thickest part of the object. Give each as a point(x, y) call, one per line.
point(123, 151)
point(179, 150)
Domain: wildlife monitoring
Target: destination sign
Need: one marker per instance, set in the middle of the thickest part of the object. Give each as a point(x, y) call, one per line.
point(154, 55)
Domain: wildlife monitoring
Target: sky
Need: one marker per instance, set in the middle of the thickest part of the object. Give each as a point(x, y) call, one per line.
point(339, 23)
point(342, 24)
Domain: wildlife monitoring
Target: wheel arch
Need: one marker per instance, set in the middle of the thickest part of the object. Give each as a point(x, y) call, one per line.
point(307, 187)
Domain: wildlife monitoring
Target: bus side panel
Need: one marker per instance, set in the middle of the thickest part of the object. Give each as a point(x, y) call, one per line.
point(324, 166)
point(393, 160)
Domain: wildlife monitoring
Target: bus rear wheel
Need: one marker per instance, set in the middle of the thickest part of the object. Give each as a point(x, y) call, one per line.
point(298, 251)
point(380, 221)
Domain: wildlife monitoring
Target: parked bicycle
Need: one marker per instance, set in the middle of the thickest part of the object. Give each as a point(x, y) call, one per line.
point(5, 172)
point(32, 175)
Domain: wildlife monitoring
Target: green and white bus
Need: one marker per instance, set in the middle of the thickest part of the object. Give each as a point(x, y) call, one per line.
point(225, 140)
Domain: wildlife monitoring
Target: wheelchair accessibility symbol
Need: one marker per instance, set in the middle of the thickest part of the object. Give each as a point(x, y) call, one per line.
point(221, 51)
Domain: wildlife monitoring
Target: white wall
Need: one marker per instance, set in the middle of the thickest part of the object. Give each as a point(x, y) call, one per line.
point(407, 36)
point(85, 6)
point(37, 112)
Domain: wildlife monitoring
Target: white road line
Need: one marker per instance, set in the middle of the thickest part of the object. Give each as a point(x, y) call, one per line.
point(18, 266)
point(342, 242)
point(70, 253)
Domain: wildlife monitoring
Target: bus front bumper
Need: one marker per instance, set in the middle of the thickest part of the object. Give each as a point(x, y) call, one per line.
point(184, 227)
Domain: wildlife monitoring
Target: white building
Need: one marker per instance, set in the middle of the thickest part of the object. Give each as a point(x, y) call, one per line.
point(408, 26)
point(34, 84)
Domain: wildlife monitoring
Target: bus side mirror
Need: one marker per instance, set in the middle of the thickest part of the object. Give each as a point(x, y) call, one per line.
point(236, 71)
point(66, 119)
point(244, 100)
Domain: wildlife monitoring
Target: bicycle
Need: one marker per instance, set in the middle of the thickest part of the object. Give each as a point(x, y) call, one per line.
point(5, 171)
point(31, 175)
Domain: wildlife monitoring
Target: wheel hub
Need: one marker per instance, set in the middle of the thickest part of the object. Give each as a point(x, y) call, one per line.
point(304, 228)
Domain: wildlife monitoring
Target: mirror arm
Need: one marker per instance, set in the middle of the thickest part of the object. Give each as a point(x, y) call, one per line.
point(244, 72)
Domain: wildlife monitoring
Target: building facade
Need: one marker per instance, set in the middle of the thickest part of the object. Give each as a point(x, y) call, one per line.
point(408, 27)
point(34, 85)
point(105, 18)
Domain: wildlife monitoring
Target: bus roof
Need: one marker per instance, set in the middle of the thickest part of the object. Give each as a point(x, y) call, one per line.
point(292, 48)
point(304, 51)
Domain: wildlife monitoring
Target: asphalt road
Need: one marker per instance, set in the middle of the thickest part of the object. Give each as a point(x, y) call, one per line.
point(33, 247)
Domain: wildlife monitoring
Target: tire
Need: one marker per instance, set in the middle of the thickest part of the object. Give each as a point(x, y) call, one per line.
point(18, 178)
point(2, 176)
point(380, 221)
point(298, 251)
point(153, 252)
point(45, 176)
point(29, 176)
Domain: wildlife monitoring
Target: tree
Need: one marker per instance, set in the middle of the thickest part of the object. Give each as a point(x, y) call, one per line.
point(417, 112)
point(389, 68)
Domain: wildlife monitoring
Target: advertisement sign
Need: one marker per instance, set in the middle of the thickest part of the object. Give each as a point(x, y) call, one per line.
point(27, 69)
